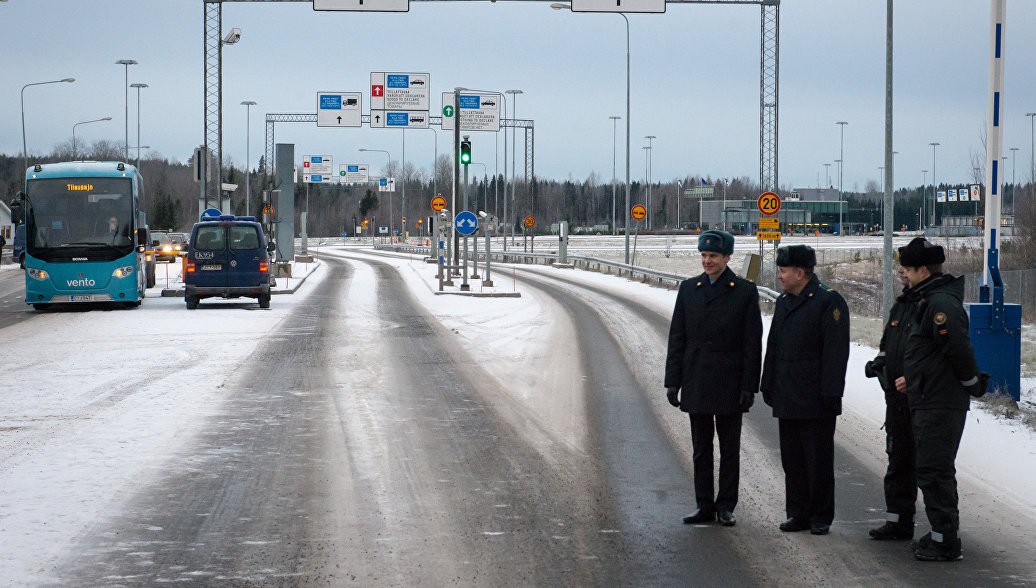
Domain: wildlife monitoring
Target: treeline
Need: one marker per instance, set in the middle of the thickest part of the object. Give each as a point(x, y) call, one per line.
point(171, 197)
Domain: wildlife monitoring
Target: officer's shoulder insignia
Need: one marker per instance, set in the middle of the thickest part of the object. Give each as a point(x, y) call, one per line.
point(810, 295)
point(837, 314)
point(939, 318)
point(894, 322)
point(698, 284)
point(826, 288)
point(732, 284)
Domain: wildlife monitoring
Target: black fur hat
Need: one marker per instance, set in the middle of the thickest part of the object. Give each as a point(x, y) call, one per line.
point(797, 256)
point(920, 252)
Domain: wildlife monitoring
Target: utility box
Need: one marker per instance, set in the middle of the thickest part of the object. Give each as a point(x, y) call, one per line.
point(997, 342)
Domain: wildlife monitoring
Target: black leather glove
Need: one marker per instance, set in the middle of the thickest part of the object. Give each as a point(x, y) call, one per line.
point(673, 394)
point(833, 403)
point(874, 367)
point(747, 399)
point(980, 387)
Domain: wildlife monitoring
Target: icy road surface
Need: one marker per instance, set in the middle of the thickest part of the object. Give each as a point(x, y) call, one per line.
point(364, 431)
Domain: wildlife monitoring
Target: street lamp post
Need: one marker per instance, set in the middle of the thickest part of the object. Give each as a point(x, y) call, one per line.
point(615, 120)
point(647, 193)
point(1014, 163)
point(650, 162)
point(1032, 146)
point(841, 159)
point(625, 215)
point(827, 175)
point(25, 150)
point(85, 122)
point(934, 144)
point(514, 149)
point(924, 196)
point(388, 158)
point(248, 104)
point(127, 63)
point(138, 86)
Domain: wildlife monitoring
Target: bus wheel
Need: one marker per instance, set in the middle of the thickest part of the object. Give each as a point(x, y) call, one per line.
point(41, 307)
point(192, 302)
point(21, 260)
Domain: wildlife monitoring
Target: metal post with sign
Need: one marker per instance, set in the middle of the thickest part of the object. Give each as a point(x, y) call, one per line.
point(769, 204)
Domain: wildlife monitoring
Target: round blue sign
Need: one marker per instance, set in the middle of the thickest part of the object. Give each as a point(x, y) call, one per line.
point(211, 212)
point(466, 222)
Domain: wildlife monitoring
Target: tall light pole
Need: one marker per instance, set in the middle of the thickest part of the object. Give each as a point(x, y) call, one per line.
point(841, 158)
point(625, 215)
point(924, 196)
point(1014, 163)
point(85, 122)
point(647, 219)
point(127, 63)
point(934, 144)
point(248, 104)
point(25, 150)
point(1032, 146)
point(138, 86)
point(514, 149)
point(827, 175)
point(388, 160)
point(615, 121)
point(650, 162)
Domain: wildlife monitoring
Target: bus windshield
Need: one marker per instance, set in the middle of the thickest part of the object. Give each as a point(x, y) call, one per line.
point(79, 217)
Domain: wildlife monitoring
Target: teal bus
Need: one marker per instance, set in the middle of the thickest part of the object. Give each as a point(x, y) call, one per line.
point(85, 235)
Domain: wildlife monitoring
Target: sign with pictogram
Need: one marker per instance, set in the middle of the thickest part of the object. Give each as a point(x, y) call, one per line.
point(769, 203)
point(338, 109)
point(769, 223)
point(438, 203)
point(466, 223)
point(638, 212)
point(530, 221)
point(768, 236)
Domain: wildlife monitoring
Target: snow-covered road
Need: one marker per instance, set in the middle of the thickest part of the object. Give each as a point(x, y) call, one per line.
point(366, 431)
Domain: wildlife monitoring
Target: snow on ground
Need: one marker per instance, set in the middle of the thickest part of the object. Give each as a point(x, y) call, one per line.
point(996, 455)
point(94, 402)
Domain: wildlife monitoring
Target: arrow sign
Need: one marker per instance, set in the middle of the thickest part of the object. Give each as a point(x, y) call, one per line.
point(466, 222)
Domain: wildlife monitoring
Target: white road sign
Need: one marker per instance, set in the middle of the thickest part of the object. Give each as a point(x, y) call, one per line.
point(399, 119)
point(976, 192)
point(339, 109)
point(400, 91)
point(363, 5)
point(386, 184)
point(353, 173)
point(478, 112)
point(317, 169)
point(618, 5)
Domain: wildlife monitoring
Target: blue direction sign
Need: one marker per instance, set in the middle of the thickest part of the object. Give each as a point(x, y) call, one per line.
point(466, 222)
point(210, 212)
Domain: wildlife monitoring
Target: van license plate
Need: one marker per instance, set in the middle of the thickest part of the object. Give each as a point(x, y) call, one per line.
point(82, 298)
point(216, 267)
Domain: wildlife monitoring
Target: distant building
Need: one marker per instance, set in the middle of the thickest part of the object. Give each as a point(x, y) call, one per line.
point(796, 214)
point(814, 194)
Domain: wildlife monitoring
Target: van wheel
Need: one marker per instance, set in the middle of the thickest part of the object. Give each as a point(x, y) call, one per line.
point(192, 302)
point(264, 301)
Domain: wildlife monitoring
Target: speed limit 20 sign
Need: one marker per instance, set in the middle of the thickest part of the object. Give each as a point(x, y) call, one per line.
point(769, 203)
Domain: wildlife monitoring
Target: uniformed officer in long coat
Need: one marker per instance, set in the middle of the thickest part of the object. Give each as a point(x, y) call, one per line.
point(803, 379)
point(940, 376)
point(900, 481)
point(712, 371)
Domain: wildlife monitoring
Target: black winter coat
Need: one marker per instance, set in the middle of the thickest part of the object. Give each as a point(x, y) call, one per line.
point(893, 344)
point(715, 343)
point(938, 360)
point(806, 353)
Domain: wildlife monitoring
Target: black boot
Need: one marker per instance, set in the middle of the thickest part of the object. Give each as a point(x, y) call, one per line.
point(893, 531)
point(702, 515)
point(929, 549)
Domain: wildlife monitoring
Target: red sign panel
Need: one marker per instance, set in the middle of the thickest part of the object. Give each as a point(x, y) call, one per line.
point(378, 90)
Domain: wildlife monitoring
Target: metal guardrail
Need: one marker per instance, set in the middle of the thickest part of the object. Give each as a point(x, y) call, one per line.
point(588, 263)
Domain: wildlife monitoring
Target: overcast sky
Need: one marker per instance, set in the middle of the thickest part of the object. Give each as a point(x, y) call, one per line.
point(695, 81)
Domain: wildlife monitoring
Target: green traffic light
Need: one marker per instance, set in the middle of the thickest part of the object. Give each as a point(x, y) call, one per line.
point(465, 152)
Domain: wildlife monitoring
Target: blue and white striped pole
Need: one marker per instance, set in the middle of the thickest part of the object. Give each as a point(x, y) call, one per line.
point(995, 139)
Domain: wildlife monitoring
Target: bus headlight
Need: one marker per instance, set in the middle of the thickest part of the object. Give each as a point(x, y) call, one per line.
point(124, 271)
point(37, 274)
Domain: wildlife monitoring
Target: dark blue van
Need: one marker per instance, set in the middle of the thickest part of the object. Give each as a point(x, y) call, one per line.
point(18, 246)
point(228, 257)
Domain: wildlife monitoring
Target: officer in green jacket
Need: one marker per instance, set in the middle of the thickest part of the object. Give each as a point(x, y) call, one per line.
point(939, 377)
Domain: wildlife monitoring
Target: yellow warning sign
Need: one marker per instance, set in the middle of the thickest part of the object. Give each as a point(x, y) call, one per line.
point(769, 223)
point(768, 235)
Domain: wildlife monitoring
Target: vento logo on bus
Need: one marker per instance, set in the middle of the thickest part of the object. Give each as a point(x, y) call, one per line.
point(81, 282)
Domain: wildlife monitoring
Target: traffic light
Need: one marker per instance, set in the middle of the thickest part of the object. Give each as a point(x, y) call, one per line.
point(465, 152)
